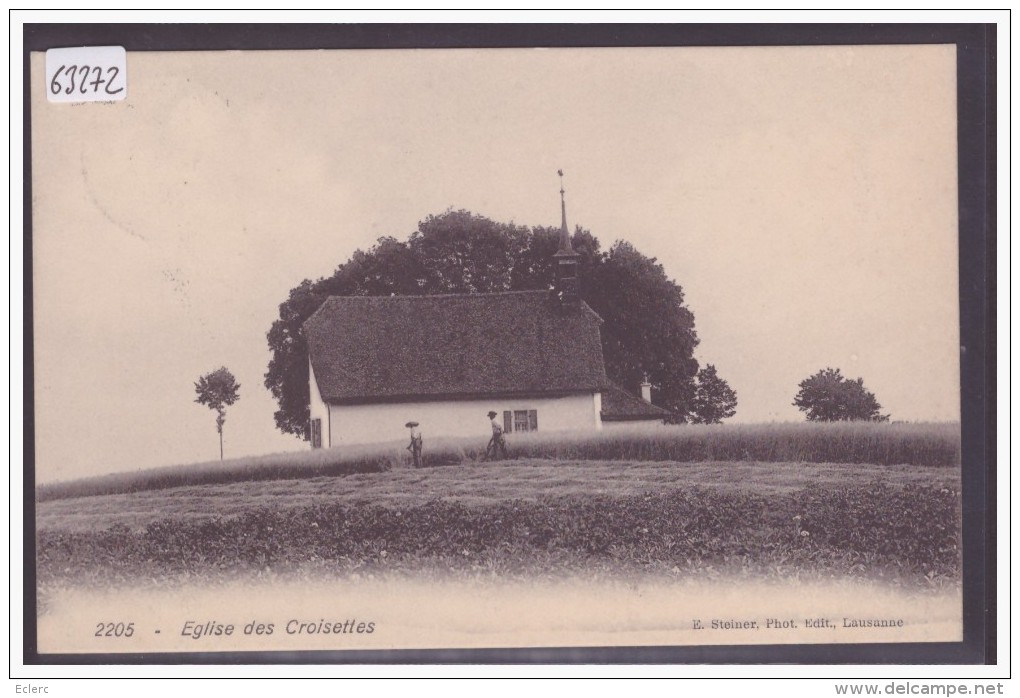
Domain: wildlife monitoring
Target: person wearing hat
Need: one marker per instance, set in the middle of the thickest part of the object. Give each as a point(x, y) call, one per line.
point(497, 443)
point(415, 446)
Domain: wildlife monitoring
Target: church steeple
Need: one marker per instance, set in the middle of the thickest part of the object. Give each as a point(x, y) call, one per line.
point(566, 261)
point(565, 245)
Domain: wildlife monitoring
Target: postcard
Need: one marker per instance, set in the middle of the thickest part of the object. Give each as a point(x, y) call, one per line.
point(431, 349)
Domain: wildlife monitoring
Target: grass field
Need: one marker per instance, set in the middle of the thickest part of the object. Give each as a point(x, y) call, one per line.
point(614, 539)
point(520, 519)
point(481, 484)
point(923, 445)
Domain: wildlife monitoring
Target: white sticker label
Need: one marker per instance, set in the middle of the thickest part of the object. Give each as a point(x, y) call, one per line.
point(86, 74)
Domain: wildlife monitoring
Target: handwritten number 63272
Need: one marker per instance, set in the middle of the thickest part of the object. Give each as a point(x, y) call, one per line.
point(80, 74)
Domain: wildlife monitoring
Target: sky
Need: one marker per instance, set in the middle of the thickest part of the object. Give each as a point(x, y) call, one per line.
point(805, 198)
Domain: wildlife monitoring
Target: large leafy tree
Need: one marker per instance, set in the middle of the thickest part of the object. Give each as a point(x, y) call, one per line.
point(714, 399)
point(460, 252)
point(647, 329)
point(828, 396)
point(217, 390)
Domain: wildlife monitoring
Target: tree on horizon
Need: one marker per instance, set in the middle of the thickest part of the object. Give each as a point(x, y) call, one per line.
point(828, 396)
point(714, 399)
point(217, 390)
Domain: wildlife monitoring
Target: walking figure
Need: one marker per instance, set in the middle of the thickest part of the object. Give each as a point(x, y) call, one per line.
point(415, 446)
point(497, 444)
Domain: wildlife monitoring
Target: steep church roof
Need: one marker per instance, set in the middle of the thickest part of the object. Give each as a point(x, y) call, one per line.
point(378, 349)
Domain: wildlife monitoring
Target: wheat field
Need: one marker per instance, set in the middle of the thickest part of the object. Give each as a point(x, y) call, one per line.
point(920, 444)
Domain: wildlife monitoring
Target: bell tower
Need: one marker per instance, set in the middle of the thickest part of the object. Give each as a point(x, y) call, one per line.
point(567, 262)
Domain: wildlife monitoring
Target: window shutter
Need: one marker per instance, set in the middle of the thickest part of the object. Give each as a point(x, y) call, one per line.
point(532, 420)
point(316, 433)
point(508, 421)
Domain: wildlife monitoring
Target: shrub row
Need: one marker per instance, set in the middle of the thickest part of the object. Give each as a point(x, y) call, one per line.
point(854, 530)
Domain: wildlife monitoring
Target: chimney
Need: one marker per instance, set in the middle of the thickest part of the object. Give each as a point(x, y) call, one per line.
point(646, 390)
point(566, 262)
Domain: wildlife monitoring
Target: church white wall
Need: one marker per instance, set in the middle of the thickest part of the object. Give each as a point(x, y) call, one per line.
point(358, 424)
point(317, 407)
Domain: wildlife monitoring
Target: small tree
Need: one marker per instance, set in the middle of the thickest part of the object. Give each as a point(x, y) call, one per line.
point(714, 399)
point(828, 396)
point(217, 390)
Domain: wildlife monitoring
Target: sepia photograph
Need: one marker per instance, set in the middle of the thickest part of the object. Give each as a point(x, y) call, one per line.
point(496, 348)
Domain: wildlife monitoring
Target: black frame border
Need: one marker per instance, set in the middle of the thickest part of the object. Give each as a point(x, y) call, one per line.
point(976, 130)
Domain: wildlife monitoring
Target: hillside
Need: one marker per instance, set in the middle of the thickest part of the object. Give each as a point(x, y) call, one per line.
point(520, 519)
point(474, 484)
point(931, 445)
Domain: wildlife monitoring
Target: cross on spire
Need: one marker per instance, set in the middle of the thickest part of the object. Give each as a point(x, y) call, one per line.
point(565, 246)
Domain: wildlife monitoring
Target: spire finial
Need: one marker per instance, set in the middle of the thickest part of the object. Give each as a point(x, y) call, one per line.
point(565, 245)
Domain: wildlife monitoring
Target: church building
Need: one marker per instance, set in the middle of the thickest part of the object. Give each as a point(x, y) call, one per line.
point(445, 361)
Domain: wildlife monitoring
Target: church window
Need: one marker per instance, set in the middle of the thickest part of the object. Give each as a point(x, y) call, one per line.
point(525, 420)
point(316, 433)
